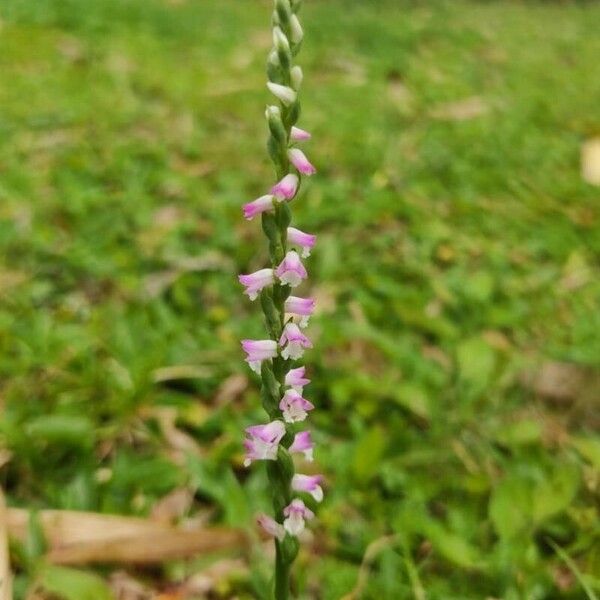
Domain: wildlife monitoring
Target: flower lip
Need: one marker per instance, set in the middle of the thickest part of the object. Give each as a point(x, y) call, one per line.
point(296, 512)
point(291, 271)
point(294, 407)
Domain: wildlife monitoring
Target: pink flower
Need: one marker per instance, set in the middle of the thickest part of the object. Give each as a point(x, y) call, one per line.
point(294, 407)
point(299, 160)
point(263, 441)
point(260, 205)
point(303, 443)
point(256, 281)
point(308, 484)
point(257, 351)
point(291, 271)
point(295, 378)
point(306, 241)
point(293, 342)
point(286, 188)
point(299, 135)
point(271, 526)
point(296, 512)
point(302, 307)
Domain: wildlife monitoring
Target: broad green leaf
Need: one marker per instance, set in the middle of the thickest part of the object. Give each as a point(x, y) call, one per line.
point(414, 398)
point(589, 448)
point(554, 494)
point(368, 453)
point(63, 429)
point(510, 506)
point(476, 361)
point(520, 433)
point(451, 546)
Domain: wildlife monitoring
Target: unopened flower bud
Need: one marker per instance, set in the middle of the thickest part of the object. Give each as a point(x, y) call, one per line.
point(284, 93)
point(296, 32)
point(273, 115)
point(296, 76)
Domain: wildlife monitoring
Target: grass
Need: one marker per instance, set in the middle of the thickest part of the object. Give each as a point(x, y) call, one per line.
point(458, 249)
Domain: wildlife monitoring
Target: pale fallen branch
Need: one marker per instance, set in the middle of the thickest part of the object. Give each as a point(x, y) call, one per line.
point(76, 538)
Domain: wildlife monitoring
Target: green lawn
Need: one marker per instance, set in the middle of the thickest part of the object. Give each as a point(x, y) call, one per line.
point(458, 253)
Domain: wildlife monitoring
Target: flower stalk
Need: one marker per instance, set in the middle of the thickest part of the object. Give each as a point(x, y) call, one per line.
point(282, 381)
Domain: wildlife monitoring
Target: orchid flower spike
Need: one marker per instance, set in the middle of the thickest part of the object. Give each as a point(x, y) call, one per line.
point(309, 484)
point(285, 315)
point(263, 441)
point(291, 271)
point(257, 351)
point(306, 241)
point(296, 513)
point(256, 281)
point(299, 160)
point(296, 380)
point(294, 407)
point(293, 342)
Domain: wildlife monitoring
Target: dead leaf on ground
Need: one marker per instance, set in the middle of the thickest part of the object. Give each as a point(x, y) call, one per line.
point(590, 161)
point(559, 381)
point(125, 587)
point(81, 537)
point(210, 578)
point(178, 441)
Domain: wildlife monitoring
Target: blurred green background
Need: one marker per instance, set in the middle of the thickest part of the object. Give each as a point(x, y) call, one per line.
point(457, 346)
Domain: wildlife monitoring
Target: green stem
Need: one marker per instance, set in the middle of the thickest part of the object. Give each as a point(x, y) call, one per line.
point(282, 574)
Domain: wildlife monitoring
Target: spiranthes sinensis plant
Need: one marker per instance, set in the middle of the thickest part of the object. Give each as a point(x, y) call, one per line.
point(275, 358)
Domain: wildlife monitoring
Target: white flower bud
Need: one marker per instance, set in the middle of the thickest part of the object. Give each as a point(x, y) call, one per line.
point(296, 76)
point(296, 30)
point(280, 41)
point(286, 94)
point(272, 112)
